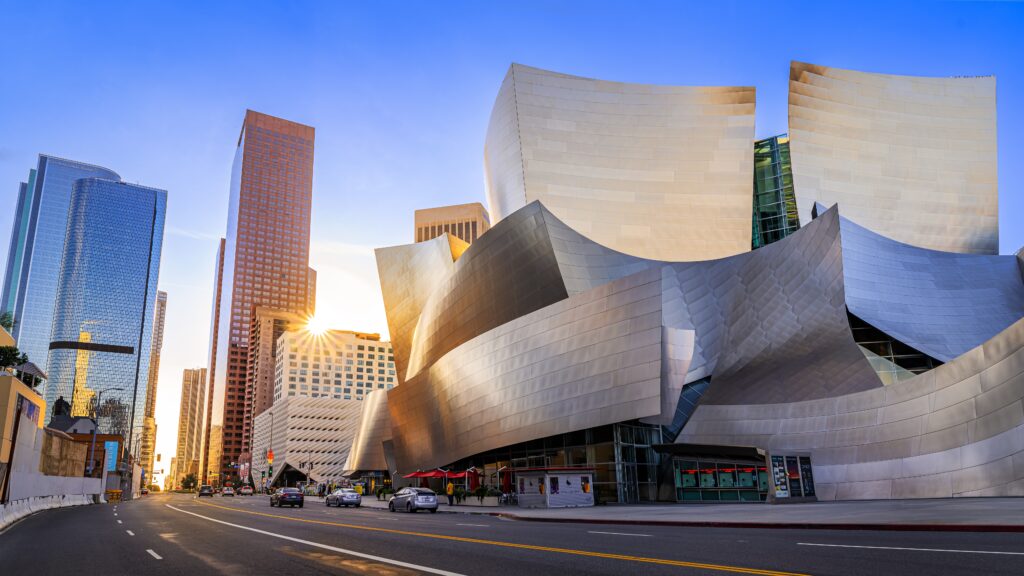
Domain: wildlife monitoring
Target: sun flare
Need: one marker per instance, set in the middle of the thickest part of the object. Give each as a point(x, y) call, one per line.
point(316, 325)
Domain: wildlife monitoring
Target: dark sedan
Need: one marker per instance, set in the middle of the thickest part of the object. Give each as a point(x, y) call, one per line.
point(289, 496)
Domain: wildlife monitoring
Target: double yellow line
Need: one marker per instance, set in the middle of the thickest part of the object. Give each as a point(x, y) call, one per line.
point(642, 559)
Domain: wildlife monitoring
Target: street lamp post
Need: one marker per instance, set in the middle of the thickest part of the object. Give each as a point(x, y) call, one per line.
point(95, 425)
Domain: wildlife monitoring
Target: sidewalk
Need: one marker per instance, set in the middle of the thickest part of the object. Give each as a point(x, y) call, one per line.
point(950, 514)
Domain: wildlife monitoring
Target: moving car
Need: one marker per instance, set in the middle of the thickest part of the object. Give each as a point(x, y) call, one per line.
point(227, 491)
point(344, 497)
point(413, 500)
point(245, 491)
point(289, 496)
point(205, 490)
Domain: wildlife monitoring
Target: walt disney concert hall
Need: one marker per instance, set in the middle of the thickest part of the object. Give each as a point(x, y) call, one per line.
point(687, 313)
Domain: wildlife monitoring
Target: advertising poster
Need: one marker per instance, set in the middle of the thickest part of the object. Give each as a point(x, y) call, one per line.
point(805, 472)
point(779, 477)
point(110, 452)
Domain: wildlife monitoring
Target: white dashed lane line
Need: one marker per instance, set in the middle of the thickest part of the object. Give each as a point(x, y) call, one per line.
point(130, 533)
point(911, 549)
point(391, 561)
point(119, 522)
point(154, 554)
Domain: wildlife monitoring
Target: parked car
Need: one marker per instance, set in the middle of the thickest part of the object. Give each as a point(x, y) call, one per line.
point(205, 490)
point(245, 491)
point(289, 496)
point(413, 500)
point(144, 491)
point(227, 491)
point(344, 497)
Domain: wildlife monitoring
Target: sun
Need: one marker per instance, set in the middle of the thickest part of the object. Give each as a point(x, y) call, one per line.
point(316, 326)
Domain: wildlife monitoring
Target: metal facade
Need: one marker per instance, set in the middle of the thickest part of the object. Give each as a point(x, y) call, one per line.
point(910, 157)
point(653, 171)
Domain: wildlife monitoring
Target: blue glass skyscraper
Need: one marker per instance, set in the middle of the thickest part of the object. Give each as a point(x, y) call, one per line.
point(37, 246)
point(106, 293)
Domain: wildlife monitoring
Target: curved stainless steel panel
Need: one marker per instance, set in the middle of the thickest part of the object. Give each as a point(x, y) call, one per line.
point(654, 171)
point(910, 157)
point(770, 324)
point(957, 430)
point(525, 262)
point(587, 360)
point(408, 276)
point(367, 452)
point(940, 303)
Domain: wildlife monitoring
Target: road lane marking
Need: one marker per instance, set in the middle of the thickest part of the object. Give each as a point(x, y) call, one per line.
point(588, 553)
point(319, 545)
point(115, 513)
point(119, 522)
point(480, 525)
point(616, 533)
point(154, 554)
point(910, 549)
point(130, 533)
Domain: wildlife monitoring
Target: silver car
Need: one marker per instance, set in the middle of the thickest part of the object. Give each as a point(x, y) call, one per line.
point(413, 499)
point(344, 497)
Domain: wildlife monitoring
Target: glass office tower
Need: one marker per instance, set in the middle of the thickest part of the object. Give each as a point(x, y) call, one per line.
point(104, 312)
point(775, 213)
point(37, 245)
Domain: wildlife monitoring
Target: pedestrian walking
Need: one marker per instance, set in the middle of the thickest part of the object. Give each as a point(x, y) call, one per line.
point(450, 490)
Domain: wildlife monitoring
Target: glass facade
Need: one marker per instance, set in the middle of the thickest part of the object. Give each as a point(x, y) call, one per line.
point(104, 312)
point(621, 455)
point(719, 480)
point(42, 249)
point(892, 360)
point(16, 251)
point(775, 213)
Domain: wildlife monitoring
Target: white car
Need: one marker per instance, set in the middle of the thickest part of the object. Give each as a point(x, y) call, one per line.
point(227, 491)
point(245, 491)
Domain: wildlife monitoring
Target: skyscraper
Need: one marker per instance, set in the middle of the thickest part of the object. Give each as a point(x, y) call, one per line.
point(149, 418)
point(467, 221)
point(36, 249)
point(106, 294)
point(267, 326)
point(218, 283)
point(190, 420)
point(266, 256)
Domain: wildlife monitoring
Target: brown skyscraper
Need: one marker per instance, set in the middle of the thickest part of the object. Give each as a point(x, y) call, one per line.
point(190, 419)
point(467, 221)
point(266, 259)
point(148, 445)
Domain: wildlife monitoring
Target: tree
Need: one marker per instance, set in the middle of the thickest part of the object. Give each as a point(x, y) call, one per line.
point(189, 482)
point(7, 321)
point(10, 357)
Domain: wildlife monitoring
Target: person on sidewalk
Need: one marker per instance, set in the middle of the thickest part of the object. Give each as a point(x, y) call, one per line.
point(450, 490)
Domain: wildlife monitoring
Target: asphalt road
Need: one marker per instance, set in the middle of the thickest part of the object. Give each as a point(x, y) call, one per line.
point(177, 534)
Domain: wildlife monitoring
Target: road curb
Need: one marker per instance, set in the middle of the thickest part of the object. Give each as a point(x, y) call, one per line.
point(869, 526)
point(772, 525)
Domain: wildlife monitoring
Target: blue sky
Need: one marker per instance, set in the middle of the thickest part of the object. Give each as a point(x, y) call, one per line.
point(400, 95)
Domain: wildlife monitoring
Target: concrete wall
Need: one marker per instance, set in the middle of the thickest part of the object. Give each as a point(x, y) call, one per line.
point(31, 491)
